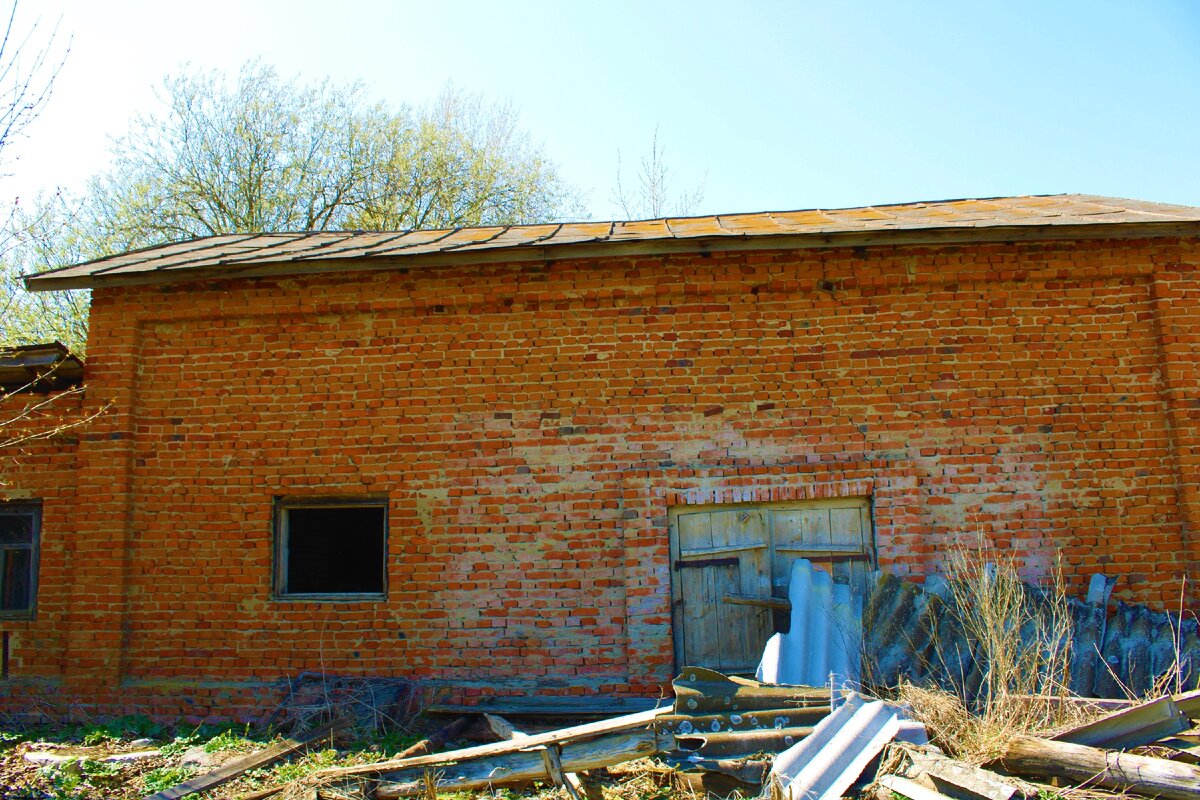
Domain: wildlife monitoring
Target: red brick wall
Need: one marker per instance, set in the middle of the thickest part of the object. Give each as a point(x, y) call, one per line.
point(531, 425)
point(41, 470)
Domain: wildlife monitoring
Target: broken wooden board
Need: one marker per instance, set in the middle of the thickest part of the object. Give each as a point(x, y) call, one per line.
point(910, 788)
point(524, 766)
point(576, 733)
point(958, 779)
point(1138, 725)
point(549, 706)
point(241, 765)
point(706, 691)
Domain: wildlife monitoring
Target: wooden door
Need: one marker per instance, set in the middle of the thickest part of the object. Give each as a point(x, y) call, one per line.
point(718, 554)
point(724, 558)
point(835, 535)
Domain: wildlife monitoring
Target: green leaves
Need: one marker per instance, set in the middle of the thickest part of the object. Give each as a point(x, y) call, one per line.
point(258, 153)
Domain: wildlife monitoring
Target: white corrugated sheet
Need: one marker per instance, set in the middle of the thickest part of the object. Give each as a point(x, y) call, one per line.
point(841, 746)
point(823, 646)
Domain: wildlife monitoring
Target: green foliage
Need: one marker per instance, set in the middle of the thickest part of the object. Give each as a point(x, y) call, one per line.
point(305, 766)
point(260, 153)
point(228, 740)
point(389, 742)
point(179, 745)
point(156, 780)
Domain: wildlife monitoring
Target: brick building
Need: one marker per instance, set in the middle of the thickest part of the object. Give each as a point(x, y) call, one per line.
point(550, 452)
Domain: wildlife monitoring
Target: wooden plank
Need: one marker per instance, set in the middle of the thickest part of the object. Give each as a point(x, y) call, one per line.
point(756, 600)
point(521, 767)
point(956, 777)
point(502, 729)
point(561, 736)
point(241, 765)
point(909, 788)
point(701, 629)
point(726, 527)
point(729, 548)
point(549, 706)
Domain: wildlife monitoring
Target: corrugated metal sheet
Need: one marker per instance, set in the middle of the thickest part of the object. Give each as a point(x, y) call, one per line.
point(823, 645)
point(914, 633)
point(824, 765)
point(235, 255)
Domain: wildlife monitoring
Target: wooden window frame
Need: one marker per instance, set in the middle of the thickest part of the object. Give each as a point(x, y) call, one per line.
point(280, 524)
point(34, 509)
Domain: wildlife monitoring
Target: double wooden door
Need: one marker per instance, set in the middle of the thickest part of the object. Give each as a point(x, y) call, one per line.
point(730, 565)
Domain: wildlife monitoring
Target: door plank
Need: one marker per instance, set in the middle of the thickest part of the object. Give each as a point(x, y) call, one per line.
point(701, 628)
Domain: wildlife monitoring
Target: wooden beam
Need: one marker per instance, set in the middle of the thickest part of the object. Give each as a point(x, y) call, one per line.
point(640, 720)
point(437, 739)
point(524, 766)
point(239, 766)
point(781, 603)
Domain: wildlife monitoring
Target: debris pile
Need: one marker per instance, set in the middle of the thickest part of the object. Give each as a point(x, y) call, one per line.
point(784, 738)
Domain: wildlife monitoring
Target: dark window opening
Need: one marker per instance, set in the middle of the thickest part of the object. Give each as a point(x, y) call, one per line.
point(336, 549)
point(19, 528)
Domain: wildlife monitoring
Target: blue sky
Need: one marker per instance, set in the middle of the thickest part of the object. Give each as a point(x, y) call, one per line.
point(772, 105)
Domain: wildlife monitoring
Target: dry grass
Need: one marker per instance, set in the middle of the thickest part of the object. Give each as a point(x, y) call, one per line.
point(1022, 644)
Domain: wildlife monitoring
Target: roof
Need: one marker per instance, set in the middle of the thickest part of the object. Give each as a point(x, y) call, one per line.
point(1064, 216)
point(39, 368)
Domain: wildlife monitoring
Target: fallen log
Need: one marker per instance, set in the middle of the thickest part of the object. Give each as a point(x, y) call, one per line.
point(575, 785)
point(1122, 772)
point(525, 766)
point(436, 739)
point(642, 719)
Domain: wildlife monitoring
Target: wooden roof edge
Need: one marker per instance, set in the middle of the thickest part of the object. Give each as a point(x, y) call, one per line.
point(952, 234)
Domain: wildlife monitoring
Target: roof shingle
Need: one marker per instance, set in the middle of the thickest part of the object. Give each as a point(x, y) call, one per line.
point(1031, 216)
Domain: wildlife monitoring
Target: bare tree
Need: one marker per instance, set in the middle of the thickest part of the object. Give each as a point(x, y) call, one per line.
point(651, 196)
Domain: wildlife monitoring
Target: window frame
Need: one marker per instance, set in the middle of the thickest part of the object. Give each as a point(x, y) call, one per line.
point(279, 515)
point(34, 509)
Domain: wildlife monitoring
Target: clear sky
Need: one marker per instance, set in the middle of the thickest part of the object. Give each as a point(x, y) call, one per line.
point(773, 105)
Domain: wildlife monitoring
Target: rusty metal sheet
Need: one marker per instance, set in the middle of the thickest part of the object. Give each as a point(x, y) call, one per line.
point(243, 250)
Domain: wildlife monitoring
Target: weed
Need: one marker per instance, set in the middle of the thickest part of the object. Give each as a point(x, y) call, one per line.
point(1022, 653)
point(156, 780)
point(303, 767)
point(228, 740)
point(179, 745)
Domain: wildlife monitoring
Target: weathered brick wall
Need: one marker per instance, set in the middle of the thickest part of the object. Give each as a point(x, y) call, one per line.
point(531, 425)
point(42, 469)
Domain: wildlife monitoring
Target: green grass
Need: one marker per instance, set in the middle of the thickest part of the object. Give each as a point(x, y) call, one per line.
point(156, 780)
